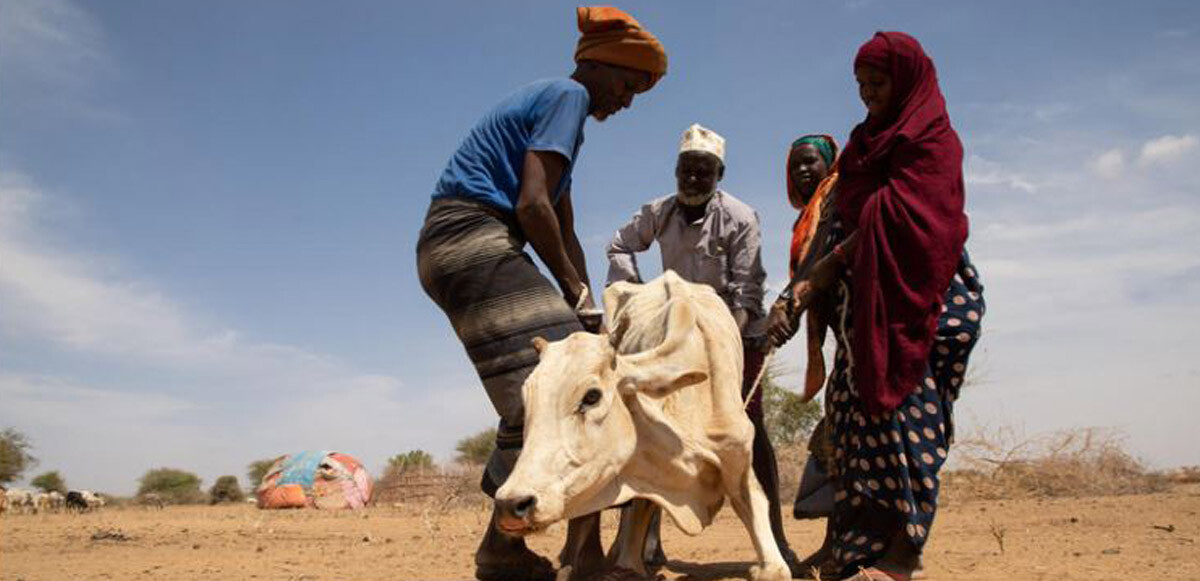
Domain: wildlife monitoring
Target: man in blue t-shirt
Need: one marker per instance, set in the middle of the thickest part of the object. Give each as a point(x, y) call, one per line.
point(509, 182)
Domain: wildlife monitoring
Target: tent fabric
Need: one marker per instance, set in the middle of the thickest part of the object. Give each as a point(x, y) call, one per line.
point(317, 479)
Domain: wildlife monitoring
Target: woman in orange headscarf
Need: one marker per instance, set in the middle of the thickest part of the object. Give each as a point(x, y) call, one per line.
point(811, 177)
point(811, 181)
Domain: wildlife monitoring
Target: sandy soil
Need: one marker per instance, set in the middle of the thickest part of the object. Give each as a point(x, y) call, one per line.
point(1121, 538)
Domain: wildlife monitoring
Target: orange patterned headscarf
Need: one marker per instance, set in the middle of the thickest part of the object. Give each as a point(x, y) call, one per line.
point(609, 35)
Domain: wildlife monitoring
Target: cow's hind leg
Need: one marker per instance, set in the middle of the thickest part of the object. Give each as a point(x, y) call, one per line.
point(751, 505)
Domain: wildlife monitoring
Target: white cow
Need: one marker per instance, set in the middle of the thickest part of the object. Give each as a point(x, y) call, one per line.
point(652, 411)
point(41, 502)
point(56, 500)
point(20, 501)
point(94, 500)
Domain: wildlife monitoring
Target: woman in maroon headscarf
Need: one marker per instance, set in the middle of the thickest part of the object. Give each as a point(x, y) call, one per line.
point(893, 255)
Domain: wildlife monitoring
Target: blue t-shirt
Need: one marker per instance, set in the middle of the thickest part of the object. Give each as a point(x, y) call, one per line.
point(546, 115)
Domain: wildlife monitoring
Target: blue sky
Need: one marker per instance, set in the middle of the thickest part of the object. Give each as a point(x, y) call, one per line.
point(208, 210)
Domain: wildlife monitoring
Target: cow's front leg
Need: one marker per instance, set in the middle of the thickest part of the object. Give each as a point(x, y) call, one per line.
point(628, 548)
point(582, 554)
point(751, 505)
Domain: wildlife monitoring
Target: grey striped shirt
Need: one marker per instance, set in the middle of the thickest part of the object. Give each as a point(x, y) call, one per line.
point(723, 250)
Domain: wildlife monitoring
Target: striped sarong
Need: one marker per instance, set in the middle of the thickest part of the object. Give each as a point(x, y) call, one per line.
point(471, 262)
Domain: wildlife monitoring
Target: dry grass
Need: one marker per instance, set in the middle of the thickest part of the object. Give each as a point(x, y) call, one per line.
point(1185, 475)
point(1084, 462)
point(1003, 464)
point(987, 465)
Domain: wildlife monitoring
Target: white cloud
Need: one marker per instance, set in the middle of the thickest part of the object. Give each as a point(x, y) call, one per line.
point(1175, 33)
point(982, 172)
point(80, 301)
point(1052, 112)
point(49, 40)
point(1109, 164)
point(188, 392)
point(1026, 231)
point(1092, 289)
point(1167, 149)
point(50, 400)
point(52, 53)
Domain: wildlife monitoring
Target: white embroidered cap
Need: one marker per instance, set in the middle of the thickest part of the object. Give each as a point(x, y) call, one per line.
point(699, 138)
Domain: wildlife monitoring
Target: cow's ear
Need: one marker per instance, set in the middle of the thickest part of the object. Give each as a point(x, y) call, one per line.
point(659, 380)
point(540, 344)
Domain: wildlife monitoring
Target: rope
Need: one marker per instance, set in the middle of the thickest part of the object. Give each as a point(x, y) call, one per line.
point(758, 380)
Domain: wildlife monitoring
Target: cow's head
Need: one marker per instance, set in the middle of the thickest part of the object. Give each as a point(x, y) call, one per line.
point(580, 408)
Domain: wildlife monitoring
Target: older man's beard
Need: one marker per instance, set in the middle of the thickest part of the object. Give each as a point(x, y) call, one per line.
point(694, 200)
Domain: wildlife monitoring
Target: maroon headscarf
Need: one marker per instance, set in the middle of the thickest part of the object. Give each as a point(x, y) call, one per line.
point(901, 188)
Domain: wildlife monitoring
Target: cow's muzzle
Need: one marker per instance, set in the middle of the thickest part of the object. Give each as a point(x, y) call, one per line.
point(514, 515)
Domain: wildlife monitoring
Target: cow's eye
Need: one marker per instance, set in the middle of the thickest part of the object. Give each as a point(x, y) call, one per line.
point(590, 398)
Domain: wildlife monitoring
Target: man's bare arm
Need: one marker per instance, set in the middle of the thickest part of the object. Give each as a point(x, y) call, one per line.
point(539, 220)
point(566, 225)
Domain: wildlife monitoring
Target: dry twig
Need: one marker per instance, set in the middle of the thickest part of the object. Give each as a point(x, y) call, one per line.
point(998, 532)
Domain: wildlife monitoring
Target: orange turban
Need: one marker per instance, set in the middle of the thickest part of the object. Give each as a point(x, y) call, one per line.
point(609, 35)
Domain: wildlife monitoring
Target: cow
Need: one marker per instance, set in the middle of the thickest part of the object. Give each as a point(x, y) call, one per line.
point(152, 500)
point(651, 411)
point(94, 499)
point(41, 502)
point(20, 501)
point(83, 500)
point(56, 500)
point(76, 501)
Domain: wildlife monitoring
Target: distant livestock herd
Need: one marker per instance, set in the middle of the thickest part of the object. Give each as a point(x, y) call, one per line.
point(18, 501)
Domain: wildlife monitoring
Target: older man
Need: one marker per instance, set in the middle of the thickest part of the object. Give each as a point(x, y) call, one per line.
point(510, 182)
point(708, 236)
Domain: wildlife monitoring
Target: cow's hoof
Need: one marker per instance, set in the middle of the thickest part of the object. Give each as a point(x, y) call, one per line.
point(770, 572)
point(531, 568)
point(608, 574)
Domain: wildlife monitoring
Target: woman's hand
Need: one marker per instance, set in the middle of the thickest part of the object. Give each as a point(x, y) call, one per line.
point(823, 274)
point(781, 326)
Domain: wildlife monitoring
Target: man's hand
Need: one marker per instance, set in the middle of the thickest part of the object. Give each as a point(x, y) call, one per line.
point(589, 316)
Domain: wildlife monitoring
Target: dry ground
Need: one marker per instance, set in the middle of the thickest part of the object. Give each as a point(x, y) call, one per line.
point(1150, 536)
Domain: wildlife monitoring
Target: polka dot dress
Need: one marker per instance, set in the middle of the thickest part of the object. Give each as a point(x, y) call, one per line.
point(885, 466)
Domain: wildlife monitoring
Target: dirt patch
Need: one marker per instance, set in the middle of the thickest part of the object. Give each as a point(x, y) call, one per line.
point(110, 535)
point(1133, 537)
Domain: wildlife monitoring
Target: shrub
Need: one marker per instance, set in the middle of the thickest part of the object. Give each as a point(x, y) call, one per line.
point(14, 455)
point(789, 420)
point(257, 470)
point(176, 486)
point(475, 450)
point(50, 481)
point(409, 461)
point(226, 489)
